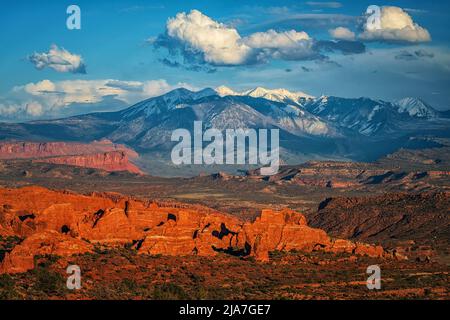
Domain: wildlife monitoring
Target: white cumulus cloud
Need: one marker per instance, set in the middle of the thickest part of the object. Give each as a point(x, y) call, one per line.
point(34, 109)
point(342, 33)
point(221, 45)
point(287, 45)
point(218, 43)
point(58, 59)
point(396, 25)
point(273, 39)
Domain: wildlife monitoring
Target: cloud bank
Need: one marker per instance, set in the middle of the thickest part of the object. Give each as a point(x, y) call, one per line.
point(49, 99)
point(58, 59)
point(201, 40)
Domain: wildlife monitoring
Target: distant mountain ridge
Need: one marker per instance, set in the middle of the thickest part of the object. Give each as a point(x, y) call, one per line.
point(365, 115)
point(310, 128)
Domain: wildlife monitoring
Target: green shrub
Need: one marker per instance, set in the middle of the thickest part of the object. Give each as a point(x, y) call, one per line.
point(169, 291)
point(7, 288)
point(49, 282)
point(129, 285)
point(7, 244)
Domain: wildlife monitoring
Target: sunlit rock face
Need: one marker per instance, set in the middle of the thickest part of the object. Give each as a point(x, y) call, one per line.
point(64, 223)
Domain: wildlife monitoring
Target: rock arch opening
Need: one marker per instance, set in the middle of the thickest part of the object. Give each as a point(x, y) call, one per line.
point(65, 229)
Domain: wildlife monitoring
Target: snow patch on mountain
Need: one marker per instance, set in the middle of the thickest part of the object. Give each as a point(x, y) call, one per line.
point(416, 108)
point(277, 95)
point(175, 99)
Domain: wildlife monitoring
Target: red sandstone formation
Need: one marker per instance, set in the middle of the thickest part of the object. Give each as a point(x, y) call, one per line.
point(108, 161)
point(98, 154)
point(283, 230)
point(64, 223)
point(41, 243)
point(28, 150)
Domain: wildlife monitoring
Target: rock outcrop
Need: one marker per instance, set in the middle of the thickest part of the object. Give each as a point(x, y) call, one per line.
point(65, 223)
point(341, 175)
point(48, 242)
point(397, 221)
point(282, 230)
point(400, 216)
point(108, 161)
point(29, 149)
point(98, 154)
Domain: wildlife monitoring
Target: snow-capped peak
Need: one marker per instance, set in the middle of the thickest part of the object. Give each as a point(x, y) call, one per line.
point(415, 108)
point(225, 91)
point(278, 95)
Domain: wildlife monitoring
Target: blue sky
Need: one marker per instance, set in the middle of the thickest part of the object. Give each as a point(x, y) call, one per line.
point(124, 52)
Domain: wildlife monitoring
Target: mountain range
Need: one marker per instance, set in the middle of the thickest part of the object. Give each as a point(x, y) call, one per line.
point(310, 127)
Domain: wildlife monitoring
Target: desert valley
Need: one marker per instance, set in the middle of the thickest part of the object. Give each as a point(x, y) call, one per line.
point(308, 232)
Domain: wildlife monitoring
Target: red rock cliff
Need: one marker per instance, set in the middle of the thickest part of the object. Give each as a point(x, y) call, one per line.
point(98, 154)
point(61, 223)
point(109, 161)
point(26, 150)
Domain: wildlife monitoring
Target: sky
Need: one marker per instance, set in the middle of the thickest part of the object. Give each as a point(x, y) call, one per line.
point(127, 51)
